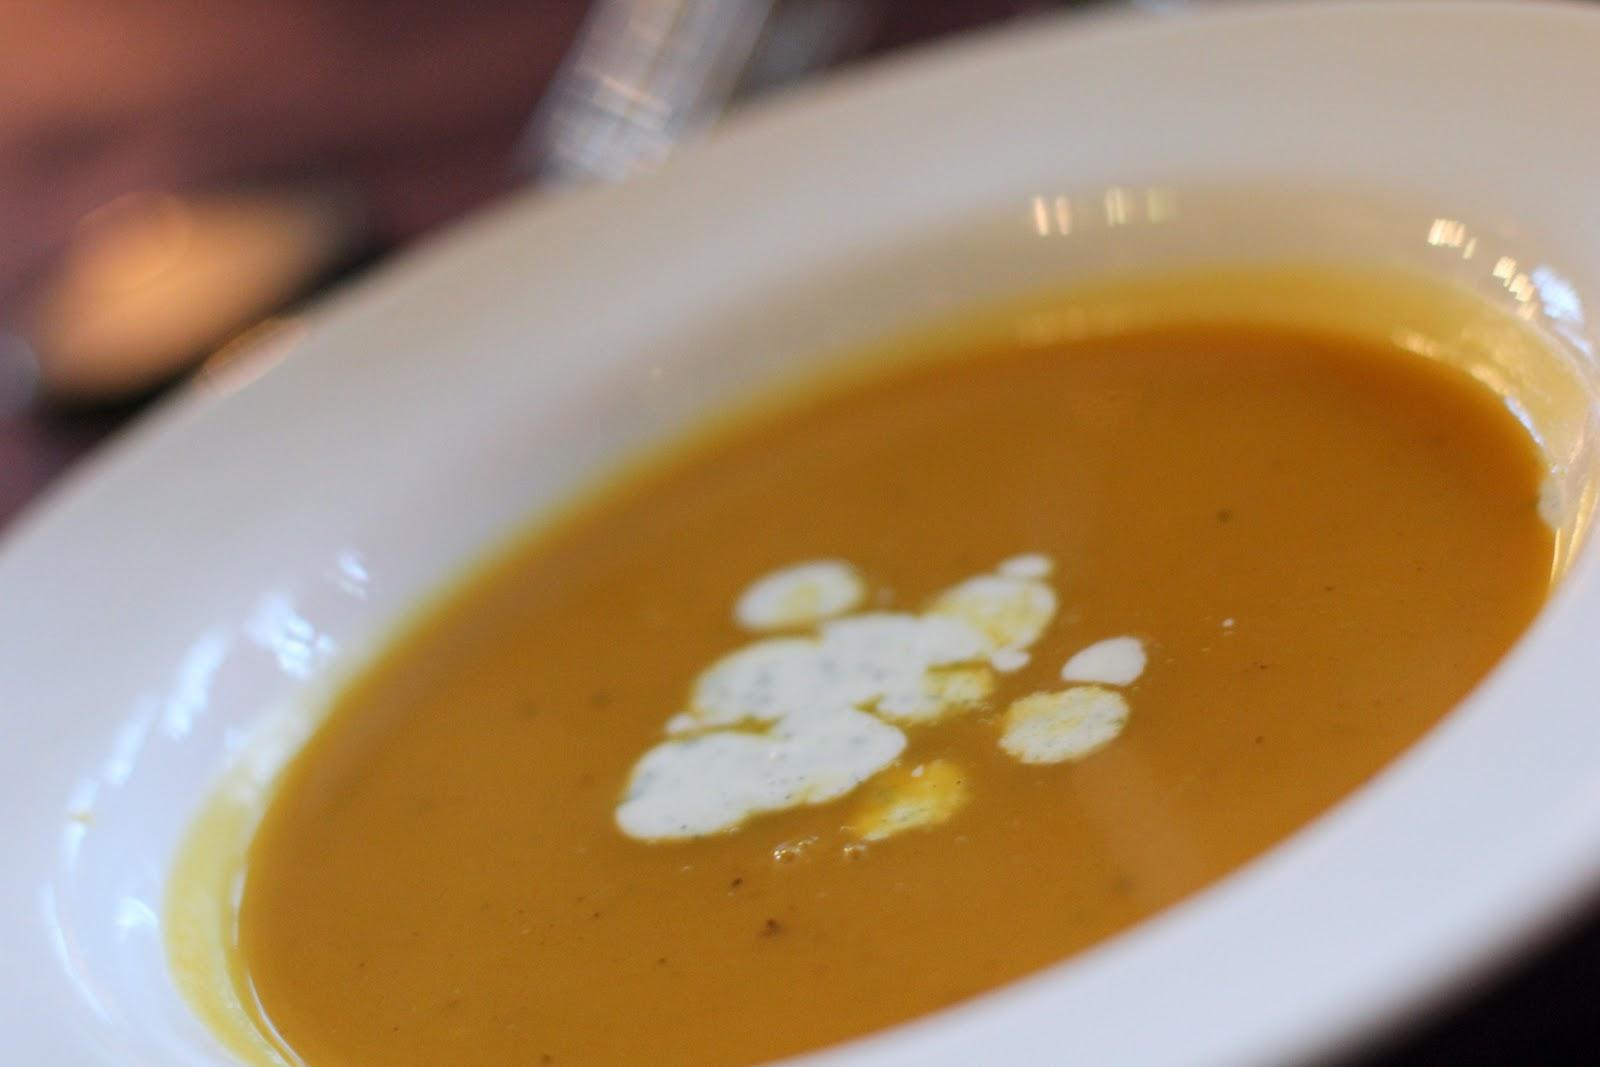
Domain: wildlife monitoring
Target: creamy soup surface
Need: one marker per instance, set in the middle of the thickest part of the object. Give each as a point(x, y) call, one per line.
point(890, 696)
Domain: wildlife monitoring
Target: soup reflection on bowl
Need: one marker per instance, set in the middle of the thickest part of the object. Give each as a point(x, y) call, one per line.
point(901, 682)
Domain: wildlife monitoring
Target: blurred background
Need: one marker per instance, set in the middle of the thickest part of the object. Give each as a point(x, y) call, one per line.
point(176, 178)
point(179, 179)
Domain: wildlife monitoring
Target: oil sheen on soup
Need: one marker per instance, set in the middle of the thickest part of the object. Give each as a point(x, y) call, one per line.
point(890, 695)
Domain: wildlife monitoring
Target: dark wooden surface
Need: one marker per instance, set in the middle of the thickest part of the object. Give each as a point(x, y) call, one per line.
point(1540, 1009)
point(37, 446)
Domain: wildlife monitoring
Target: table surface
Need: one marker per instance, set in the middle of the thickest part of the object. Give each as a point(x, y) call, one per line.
point(1541, 1009)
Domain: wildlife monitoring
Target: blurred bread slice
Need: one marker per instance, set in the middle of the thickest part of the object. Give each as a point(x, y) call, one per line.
point(153, 282)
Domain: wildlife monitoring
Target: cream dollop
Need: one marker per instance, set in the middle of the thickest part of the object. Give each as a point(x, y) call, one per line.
point(799, 596)
point(1067, 725)
point(899, 800)
point(791, 721)
point(1114, 661)
point(817, 713)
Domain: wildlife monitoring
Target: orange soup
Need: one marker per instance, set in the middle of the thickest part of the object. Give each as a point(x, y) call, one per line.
point(889, 696)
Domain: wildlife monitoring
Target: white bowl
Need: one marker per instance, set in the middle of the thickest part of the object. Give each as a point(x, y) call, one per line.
point(224, 563)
